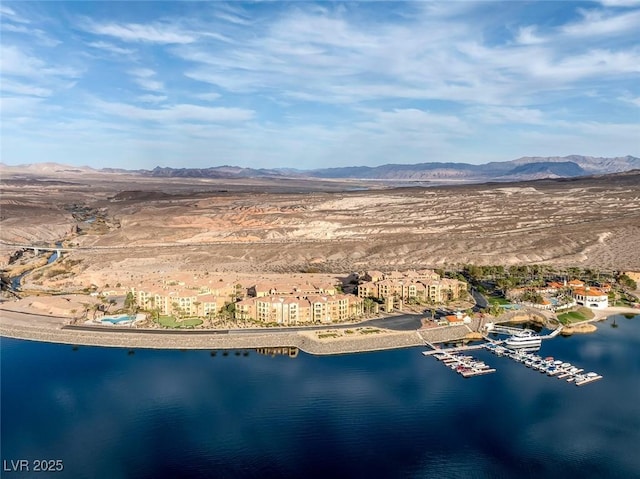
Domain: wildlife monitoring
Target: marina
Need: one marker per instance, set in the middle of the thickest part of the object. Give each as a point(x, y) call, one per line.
point(521, 346)
point(466, 366)
point(550, 366)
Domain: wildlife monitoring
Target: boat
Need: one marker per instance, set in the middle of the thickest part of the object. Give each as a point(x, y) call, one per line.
point(587, 379)
point(526, 339)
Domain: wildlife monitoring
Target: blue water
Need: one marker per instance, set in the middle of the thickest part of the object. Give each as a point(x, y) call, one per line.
point(117, 319)
point(510, 306)
point(108, 413)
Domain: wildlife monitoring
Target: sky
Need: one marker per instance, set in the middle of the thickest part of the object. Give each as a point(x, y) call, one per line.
point(316, 84)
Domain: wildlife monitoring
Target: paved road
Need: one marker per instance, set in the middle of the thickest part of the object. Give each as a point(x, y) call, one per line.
point(405, 322)
point(481, 301)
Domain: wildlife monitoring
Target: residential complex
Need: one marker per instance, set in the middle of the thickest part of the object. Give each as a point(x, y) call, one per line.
point(172, 297)
point(298, 309)
point(555, 295)
point(282, 302)
point(423, 285)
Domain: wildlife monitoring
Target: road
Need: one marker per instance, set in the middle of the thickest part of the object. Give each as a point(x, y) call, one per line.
point(481, 301)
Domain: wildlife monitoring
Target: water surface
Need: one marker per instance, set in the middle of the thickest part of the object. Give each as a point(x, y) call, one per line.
point(115, 413)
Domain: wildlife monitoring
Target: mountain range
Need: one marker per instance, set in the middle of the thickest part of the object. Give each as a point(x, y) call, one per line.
point(525, 168)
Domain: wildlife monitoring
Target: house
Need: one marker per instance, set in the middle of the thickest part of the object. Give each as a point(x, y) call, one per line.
point(575, 283)
point(458, 319)
point(591, 297)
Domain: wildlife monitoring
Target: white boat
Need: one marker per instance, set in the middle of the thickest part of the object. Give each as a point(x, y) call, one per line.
point(526, 339)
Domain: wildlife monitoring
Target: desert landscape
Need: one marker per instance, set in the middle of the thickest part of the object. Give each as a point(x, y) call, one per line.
point(121, 228)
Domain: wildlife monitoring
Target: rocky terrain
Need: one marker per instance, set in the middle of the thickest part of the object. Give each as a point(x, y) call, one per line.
point(121, 225)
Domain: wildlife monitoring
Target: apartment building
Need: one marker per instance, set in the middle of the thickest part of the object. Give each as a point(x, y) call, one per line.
point(296, 309)
point(183, 301)
point(296, 288)
point(422, 285)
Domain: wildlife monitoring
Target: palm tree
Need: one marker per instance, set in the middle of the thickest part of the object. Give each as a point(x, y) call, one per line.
point(94, 307)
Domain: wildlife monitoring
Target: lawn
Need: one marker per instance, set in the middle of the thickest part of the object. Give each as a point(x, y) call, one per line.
point(498, 300)
point(171, 322)
point(582, 314)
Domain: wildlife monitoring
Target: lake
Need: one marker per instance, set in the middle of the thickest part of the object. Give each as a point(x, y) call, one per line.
point(114, 413)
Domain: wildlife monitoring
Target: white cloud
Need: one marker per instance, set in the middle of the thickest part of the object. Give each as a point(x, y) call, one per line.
point(527, 36)
point(143, 78)
point(36, 33)
point(424, 81)
point(18, 62)
point(10, 86)
point(162, 33)
point(152, 98)
point(594, 63)
point(149, 84)
point(598, 22)
point(176, 113)
point(111, 48)
point(142, 72)
point(5, 10)
point(231, 18)
point(509, 115)
point(207, 96)
point(10, 14)
point(323, 57)
point(19, 106)
point(412, 119)
point(630, 99)
point(620, 3)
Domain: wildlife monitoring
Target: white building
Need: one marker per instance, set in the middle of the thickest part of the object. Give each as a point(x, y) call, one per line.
point(591, 297)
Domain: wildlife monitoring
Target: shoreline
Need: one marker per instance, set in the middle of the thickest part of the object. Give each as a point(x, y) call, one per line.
point(587, 326)
point(42, 328)
point(55, 329)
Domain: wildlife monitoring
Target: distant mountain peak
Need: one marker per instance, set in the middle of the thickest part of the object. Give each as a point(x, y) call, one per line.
point(524, 168)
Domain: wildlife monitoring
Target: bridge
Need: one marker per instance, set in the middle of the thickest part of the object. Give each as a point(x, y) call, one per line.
point(37, 249)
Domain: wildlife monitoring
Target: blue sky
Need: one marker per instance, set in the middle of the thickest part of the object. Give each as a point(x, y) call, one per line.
point(311, 85)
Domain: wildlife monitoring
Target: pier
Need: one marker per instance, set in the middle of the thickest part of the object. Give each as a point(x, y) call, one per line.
point(467, 366)
point(549, 366)
point(510, 330)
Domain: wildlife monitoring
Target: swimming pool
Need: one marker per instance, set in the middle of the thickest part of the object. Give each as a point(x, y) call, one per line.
point(510, 306)
point(119, 319)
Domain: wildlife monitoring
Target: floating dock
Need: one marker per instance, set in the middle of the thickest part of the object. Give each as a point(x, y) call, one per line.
point(550, 366)
point(466, 366)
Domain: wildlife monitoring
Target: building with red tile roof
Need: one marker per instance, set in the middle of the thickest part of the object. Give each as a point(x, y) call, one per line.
point(591, 297)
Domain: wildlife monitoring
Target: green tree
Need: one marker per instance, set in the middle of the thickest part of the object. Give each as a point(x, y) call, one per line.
point(238, 292)
point(626, 282)
point(369, 305)
point(229, 311)
point(130, 302)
